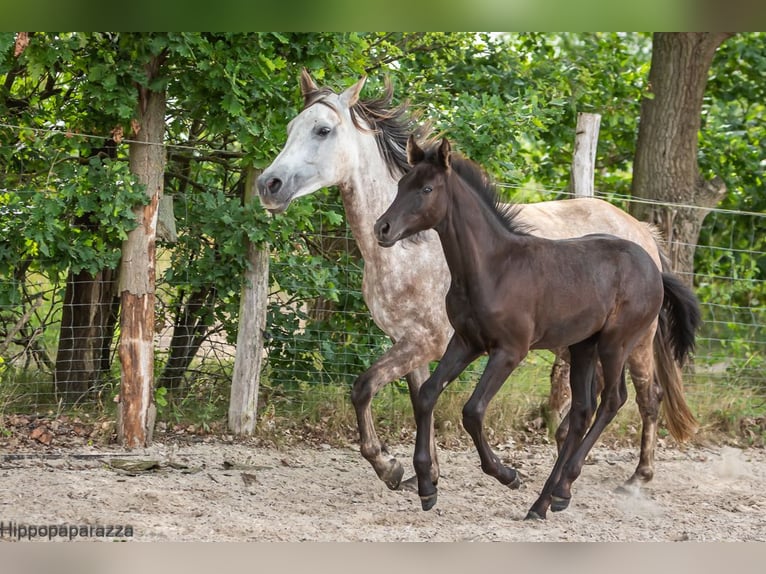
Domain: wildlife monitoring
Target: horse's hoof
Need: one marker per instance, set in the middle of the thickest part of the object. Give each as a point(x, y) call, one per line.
point(515, 483)
point(628, 489)
point(428, 502)
point(410, 485)
point(558, 504)
point(393, 478)
point(532, 515)
point(639, 478)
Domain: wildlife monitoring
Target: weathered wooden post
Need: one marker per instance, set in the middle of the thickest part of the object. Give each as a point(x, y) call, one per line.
point(243, 401)
point(584, 158)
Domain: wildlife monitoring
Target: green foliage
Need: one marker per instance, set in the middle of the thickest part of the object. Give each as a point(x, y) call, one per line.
point(509, 101)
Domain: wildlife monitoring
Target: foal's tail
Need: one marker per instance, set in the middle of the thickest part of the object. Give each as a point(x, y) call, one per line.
point(677, 323)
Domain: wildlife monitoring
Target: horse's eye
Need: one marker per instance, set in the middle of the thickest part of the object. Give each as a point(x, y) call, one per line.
point(323, 131)
point(427, 189)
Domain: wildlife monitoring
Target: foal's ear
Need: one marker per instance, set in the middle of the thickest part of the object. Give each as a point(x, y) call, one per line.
point(351, 95)
point(414, 154)
point(445, 153)
point(308, 86)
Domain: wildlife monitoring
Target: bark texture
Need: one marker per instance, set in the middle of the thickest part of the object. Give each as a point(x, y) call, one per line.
point(665, 172)
point(137, 273)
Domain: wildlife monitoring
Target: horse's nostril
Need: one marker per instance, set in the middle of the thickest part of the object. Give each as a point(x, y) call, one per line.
point(384, 229)
point(274, 185)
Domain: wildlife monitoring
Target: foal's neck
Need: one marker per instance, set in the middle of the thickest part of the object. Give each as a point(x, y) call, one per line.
point(471, 234)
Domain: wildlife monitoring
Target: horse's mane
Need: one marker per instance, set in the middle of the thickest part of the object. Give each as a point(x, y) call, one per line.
point(480, 181)
point(390, 125)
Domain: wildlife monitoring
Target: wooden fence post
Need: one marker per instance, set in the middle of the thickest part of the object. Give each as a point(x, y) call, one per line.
point(584, 159)
point(243, 401)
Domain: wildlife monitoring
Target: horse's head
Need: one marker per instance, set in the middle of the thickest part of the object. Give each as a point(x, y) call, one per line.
point(421, 200)
point(318, 148)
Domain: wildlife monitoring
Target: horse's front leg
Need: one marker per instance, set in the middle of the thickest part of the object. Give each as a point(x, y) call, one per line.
point(456, 358)
point(402, 358)
point(500, 365)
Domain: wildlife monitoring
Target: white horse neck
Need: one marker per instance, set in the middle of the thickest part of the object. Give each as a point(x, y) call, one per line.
point(366, 194)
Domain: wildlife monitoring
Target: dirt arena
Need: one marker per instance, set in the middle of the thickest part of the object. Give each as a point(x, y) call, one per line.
point(215, 490)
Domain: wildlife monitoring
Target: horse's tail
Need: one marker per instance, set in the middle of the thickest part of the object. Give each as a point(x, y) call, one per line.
point(677, 323)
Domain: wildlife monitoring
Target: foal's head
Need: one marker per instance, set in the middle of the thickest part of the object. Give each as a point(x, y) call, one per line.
point(421, 199)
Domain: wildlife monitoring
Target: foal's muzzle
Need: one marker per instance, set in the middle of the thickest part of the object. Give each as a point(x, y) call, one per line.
point(383, 233)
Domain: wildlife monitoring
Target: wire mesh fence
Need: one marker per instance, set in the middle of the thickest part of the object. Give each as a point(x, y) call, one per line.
point(59, 330)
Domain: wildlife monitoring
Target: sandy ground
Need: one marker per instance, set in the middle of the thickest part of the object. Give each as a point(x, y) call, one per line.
point(219, 491)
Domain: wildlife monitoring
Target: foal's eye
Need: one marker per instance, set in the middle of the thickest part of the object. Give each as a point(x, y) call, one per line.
point(427, 189)
point(323, 131)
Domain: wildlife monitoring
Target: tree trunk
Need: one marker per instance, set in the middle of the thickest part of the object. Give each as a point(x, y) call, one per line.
point(665, 170)
point(87, 329)
point(137, 273)
point(189, 330)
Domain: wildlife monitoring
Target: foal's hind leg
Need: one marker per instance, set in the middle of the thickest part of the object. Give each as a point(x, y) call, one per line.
point(583, 383)
point(564, 357)
point(648, 397)
point(402, 358)
point(613, 397)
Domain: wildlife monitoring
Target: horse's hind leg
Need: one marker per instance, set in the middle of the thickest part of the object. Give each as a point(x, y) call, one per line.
point(648, 397)
point(560, 396)
point(402, 358)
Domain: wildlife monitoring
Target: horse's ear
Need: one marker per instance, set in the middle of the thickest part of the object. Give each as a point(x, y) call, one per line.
point(308, 86)
point(414, 154)
point(445, 153)
point(351, 95)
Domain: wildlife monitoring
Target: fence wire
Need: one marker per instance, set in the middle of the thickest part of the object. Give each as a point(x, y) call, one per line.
point(316, 335)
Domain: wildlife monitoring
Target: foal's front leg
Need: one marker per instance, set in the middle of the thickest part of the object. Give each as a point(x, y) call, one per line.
point(456, 358)
point(499, 367)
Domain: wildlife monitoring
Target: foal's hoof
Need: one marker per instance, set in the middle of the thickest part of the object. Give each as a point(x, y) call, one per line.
point(428, 502)
point(509, 477)
point(558, 504)
point(393, 478)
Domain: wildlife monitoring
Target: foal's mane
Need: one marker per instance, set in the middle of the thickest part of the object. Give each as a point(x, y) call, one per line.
point(390, 125)
point(479, 180)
